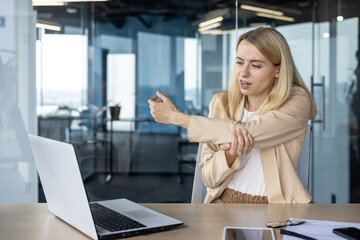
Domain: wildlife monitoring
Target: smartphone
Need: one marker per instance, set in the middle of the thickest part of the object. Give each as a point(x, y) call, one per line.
point(348, 233)
point(248, 233)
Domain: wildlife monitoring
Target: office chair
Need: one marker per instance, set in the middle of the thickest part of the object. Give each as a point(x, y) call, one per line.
point(199, 190)
point(92, 146)
point(304, 164)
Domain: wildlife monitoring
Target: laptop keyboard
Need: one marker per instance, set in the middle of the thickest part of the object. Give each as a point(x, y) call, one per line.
point(111, 220)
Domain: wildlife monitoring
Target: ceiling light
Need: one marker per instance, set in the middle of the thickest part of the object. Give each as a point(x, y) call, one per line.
point(48, 26)
point(259, 9)
point(212, 32)
point(288, 19)
point(211, 21)
point(60, 2)
point(326, 35)
point(209, 27)
point(340, 18)
point(217, 32)
point(71, 10)
point(85, 0)
point(47, 3)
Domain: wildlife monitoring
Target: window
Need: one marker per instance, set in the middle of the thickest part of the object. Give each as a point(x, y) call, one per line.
point(62, 70)
point(121, 88)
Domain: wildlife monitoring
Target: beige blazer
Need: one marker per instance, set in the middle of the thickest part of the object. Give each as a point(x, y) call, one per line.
point(278, 134)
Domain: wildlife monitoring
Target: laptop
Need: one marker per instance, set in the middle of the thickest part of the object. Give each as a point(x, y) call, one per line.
point(67, 199)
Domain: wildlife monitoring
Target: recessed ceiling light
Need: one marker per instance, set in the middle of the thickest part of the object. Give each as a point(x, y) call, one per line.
point(340, 18)
point(71, 10)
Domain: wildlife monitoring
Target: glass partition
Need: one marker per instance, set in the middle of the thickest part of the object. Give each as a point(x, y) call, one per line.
point(187, 51)
point(18, 176)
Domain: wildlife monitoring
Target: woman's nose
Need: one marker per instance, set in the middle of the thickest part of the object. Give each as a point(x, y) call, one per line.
point(244, 73)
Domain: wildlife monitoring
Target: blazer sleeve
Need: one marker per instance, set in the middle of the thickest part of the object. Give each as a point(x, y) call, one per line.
point(268, 130)
point(213, 163)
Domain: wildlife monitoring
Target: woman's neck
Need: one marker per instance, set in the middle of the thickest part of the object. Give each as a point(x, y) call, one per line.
point(253, 104)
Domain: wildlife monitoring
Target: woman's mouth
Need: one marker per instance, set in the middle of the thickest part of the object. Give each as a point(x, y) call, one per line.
point(244, 84)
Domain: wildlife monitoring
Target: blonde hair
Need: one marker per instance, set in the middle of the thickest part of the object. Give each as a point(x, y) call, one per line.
point(275, 48)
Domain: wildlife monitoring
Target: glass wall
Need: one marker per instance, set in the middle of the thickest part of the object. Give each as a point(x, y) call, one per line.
point(134, 49)
point(18, 176)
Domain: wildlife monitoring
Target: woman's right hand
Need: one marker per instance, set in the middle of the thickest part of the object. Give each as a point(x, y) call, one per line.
point(162, 109)
point(242, 144)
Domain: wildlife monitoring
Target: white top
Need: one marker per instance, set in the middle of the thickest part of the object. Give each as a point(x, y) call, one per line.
point(249, 177)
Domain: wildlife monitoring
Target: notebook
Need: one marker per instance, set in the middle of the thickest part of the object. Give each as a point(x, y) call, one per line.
point(67, 199)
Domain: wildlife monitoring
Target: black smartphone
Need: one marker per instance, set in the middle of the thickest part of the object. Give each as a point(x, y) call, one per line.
point(348, 233)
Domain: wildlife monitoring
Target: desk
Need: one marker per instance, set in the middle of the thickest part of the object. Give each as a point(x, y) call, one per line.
point(201, 221)
point(60, 121)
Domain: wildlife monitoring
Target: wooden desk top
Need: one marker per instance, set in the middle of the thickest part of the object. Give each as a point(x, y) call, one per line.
point(201, 221)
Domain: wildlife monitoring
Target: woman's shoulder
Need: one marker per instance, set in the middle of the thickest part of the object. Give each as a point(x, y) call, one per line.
point(217, 104)
point(299, 94)
point(298, 103)
point(299, 91)
point(219, 96)
point(219, 99)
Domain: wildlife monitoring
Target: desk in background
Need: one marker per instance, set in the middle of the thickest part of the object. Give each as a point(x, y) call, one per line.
point(58, 127)
point(201, 221)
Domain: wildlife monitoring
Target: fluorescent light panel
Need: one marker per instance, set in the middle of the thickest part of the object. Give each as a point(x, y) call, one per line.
point(85, 0)
point(48, 26)
point(217, 32)
point(60, 3)
point(48, 3)
point(259, 9)
point(209, 27)
point(288, 19)
point(211, 21)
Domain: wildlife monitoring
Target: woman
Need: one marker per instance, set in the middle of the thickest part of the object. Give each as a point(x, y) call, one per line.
point(255, 130)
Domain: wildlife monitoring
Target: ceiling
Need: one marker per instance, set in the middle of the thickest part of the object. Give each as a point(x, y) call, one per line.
point(117, 12)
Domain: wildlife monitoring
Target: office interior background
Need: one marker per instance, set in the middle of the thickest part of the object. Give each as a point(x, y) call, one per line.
point(82, 72)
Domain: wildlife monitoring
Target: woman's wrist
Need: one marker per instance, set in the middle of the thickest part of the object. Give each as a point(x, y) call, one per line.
point(180, 119)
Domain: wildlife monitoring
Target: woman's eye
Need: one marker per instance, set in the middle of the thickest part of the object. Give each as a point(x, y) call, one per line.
point(256, 66)
point(239, 62)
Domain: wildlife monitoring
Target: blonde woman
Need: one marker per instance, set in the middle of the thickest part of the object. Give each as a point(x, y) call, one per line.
point(255, 131)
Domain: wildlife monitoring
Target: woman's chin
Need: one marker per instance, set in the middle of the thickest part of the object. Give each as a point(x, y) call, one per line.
point(244, 91)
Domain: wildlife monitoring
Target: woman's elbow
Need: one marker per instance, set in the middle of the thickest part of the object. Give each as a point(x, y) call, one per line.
point(210, 182)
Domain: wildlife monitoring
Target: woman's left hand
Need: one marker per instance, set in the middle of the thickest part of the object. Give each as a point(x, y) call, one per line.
point(241, 144)
point(163, 110)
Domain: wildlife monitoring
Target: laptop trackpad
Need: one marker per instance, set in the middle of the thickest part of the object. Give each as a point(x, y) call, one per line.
point(140, 213)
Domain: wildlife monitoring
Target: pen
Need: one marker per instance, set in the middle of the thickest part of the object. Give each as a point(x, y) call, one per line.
point(294, 234)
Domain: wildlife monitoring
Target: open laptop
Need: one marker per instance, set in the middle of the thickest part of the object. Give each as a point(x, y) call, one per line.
point(66, 197)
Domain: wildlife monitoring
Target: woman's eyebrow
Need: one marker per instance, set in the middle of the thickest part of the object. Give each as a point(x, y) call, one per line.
point(253, 60)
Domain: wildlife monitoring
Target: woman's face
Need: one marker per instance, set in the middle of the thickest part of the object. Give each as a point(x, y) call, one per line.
point(254, 72)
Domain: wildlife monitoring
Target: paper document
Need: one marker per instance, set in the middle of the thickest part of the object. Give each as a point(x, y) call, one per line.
point(321, 230)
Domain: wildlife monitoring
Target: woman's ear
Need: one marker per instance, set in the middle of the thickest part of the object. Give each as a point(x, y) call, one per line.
point(277, 73)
